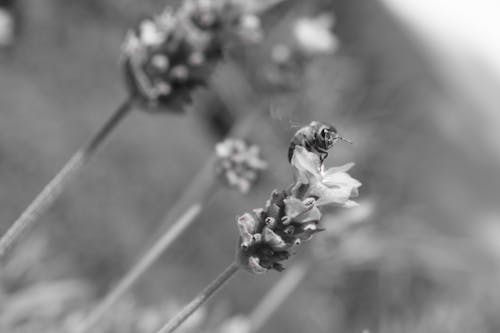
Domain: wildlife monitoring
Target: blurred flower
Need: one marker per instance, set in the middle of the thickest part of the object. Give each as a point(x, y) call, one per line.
point(333, 186)
point(314, 36)
point(311, 36)
point(238, 163)
point(169, 56)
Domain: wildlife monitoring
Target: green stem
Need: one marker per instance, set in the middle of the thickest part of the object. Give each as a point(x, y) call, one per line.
point(54, 188)
point(200, 299)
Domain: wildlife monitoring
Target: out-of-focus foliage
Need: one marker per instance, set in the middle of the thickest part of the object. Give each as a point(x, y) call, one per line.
point(427, 261)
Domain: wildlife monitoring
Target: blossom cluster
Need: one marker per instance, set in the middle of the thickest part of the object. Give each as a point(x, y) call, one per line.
point(238, 163)
point(168, 56)
point(269, 235)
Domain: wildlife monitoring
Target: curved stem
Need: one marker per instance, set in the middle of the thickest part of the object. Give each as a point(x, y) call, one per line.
point(200, 299)
point(276, 296)
point(54, 188)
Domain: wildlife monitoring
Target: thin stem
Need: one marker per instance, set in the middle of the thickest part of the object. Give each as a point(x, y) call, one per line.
point(144, 263)
point(200, 299)
point(200, 191)
point(276, 296)
point(54, 188)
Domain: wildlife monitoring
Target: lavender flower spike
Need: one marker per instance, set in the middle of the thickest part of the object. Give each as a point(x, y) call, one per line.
point(264, 245)
point(268, 236)
point(167, 57)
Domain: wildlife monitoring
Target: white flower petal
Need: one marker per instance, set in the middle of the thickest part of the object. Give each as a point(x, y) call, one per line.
point(340, 179)
point(337, 195)
point(343, 168)
point(350, 204)
point(307, 165)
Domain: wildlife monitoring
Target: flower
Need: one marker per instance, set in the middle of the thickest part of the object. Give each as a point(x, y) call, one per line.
point(238, 163)
point(268, 236)
point(331, 186)
point(313, 35)
point(167, 57)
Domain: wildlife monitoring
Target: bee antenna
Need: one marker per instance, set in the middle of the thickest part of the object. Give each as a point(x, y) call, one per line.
point(346, 140)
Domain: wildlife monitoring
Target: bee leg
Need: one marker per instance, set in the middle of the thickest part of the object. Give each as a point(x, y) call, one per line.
point(323, 157)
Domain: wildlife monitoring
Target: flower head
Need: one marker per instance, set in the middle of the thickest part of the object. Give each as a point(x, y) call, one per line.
point(331, 186)
point(169, 56)
point(268, 236)
point(239, 163)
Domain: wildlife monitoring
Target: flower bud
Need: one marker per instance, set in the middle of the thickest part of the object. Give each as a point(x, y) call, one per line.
point(274, 241)
point(247, 227)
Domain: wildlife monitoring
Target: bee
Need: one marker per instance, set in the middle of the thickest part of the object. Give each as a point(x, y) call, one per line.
point(317, 137)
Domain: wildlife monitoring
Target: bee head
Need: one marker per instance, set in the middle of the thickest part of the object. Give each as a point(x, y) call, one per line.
point(326, 136)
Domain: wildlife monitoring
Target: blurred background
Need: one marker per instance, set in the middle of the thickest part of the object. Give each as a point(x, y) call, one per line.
point(414, 84)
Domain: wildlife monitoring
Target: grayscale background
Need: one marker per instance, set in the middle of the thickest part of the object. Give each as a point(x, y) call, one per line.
point(414, 86)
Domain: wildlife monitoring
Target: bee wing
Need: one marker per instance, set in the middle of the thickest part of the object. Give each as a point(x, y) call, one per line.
point(295, 124)
point(281, 116)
